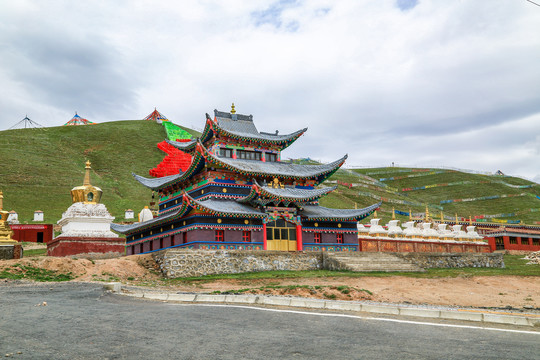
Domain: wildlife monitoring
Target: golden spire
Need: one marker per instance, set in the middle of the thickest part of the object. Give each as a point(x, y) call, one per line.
point(427, 213)
point(393, 213)
point(442, 217)
point(1, 200)
point(410, 214)
point(233, 111)
point(87, 173)
point(470, 219)
point(375, 214)
point(456, 219)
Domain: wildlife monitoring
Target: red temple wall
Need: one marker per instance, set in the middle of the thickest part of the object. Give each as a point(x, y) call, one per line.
point(29, 232)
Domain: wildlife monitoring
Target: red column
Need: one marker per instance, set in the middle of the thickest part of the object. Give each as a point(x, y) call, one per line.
point(264, 236)
point(299, 245)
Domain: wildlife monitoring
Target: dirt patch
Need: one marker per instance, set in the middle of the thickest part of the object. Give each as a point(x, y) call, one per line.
point(480, 291)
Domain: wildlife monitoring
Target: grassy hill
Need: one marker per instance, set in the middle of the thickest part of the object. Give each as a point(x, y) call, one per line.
point(39, 167)
point(452, 192)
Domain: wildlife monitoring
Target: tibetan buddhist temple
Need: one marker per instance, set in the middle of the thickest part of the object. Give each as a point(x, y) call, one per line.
point(237, 193)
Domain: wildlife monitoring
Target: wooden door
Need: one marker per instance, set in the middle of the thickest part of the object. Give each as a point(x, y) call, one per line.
point(281, 235)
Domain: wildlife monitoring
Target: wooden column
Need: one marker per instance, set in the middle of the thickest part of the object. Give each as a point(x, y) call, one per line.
point(264, 237)
point(299, 245)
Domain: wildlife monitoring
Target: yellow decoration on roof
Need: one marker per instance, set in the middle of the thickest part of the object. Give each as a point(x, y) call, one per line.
point(233, 111)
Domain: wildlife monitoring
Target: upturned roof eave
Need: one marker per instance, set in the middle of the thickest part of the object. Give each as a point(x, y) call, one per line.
point(338, 214)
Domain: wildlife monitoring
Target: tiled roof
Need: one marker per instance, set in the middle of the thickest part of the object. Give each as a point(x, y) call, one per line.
point(509, 230)
point(243, 126)
point(228, 207)
point(279, 169)
point(124, 229)
point(156, 183)
point(295, 193)
point(184, 146)
point(314, 212)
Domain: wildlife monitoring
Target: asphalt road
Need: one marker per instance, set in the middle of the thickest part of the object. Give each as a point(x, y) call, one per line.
point(81, 321)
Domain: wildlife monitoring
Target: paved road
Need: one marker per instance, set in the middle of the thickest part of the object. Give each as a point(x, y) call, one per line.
point(81, 321)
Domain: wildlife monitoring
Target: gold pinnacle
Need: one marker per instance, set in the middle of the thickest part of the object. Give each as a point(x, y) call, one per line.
point(1, 200)
point(87, 173)
point(393, 214)
point(233, 111)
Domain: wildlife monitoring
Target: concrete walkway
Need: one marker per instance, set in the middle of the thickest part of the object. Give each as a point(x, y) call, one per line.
point(432, 312)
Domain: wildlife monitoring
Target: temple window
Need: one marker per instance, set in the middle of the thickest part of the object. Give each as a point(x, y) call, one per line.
point(248, 155)
point(317, 238)
point(513, 241)
point(225, 152)
point(219, 235)
point(339, 238)
point(246, 236)
point(270, 157)
point(536, 242)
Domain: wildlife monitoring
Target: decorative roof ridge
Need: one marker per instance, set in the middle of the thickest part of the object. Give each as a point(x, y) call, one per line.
point(200, 205)
point(228, 115)
point(155, 183)
point(127, 229)
point(264, 137)
point(293, 194)
point(322, 213)
point(229, 163)
point(183, 145)
point(159, 183)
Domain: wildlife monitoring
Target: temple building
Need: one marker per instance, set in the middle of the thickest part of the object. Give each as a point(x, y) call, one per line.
point(237, 193)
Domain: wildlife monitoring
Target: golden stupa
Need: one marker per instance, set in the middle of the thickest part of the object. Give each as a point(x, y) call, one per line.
point(86, 193)
point(5, 230)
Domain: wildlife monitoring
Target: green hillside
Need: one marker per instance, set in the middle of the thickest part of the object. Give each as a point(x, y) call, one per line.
point(502, 198)
point(39, 167)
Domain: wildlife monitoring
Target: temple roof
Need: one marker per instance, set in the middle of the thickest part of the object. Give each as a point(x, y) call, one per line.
point(315, 212)
point(226, 208)
point(238, 125)
point(246, 167)
point(128, 229)
point(277, 169)
point(186, 146)
point(287, 194)
point(156, 183)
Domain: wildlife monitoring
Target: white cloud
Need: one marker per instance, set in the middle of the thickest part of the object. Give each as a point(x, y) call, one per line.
point(436, 82)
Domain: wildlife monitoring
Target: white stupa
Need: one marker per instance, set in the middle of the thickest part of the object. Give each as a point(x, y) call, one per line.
point(375, 229)
point(394, 229)
point(86, 217)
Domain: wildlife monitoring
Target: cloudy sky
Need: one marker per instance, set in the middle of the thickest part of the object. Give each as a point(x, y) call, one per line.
point(414, 82)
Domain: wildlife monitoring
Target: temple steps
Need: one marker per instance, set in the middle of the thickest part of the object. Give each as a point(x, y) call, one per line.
point(367, 261)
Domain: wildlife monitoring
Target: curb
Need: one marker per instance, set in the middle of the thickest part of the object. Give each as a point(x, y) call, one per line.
point(446, 314)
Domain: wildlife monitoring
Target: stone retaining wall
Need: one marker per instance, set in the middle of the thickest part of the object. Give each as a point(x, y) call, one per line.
point(183, 263)
point(186, 262)
point(452, 260)
point(8, 252)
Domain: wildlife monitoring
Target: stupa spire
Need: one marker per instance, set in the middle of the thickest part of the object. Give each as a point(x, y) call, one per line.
point(86, 180)
point(233, 111)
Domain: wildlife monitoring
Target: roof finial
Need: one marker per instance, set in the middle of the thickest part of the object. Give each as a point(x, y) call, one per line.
point(393, 213)
point(1, 200)
point(233, 111)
